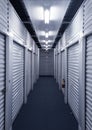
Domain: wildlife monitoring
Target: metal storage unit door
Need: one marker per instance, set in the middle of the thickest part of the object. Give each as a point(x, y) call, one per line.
point(2, 81)
point(18, 79)
point(55, 66)
point(58, 67)
point(63, 65)
point(35, 67)
point(47, 63)
point(60, 70)
point(29, 72)
point(89, 83)
point(73, 78)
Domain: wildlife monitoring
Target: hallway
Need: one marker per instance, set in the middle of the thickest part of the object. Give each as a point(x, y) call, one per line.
point(45, 109)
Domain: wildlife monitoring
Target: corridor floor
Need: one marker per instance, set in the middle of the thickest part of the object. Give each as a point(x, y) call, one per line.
point(45, 109)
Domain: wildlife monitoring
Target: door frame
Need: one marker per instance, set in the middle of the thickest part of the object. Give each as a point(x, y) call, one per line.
point(8, 97)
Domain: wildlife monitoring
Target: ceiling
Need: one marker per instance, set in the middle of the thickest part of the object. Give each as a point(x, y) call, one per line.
point(46, 20)
point(46, 17)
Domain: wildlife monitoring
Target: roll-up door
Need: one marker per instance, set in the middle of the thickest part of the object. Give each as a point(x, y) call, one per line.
point(36, 64)
point(29, 72)
point(2, 81)
point(3, 15)
point(89, 83)
point(73, 78)
point(55, 66)
point(58, 68)
point(47, 63)
point(32, 69)
point(35, 67)
point(18, 78)
point(63, 68)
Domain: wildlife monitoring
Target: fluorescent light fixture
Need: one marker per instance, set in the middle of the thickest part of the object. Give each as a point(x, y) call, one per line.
point(47, 46)
point(42, 41)
point(47, 16)
point(51, 33)
point(50, 40)
point(55, 12)
point(44, 45)
point(37, 13)
point(46, 42)
point(41, 33)
point(46, 35)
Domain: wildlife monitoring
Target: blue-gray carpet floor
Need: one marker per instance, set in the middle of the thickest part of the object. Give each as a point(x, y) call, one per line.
point(45, 109)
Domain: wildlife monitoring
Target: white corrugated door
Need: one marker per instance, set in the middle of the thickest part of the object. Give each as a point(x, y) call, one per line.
point(18, 79)
point(63, 67)
point(35, 67)
point(2, 81)
point(89, 83)
point(73, 78)
point(61, 70)
point(58, 68)
point(55, 66)
point(29, 72)
point(3, 15)
point(47, 63)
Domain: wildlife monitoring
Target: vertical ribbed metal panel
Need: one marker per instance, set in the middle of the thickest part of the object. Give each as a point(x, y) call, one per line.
point(18, 79)
point(55, 66)
point(29, 72)
point(73, 78)
point(75, 26)
point(87, 16)
point(3, 15)
point(61, 70)
point(17, 28)
point(47, 62)
point(35, 67)
point(89, 83)
point(30, 77)
point(63, 67)
point(54, 62)
point(58, 68)
point(2, 81)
